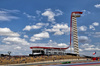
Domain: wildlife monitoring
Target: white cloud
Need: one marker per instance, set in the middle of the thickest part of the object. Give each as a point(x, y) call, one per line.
point(36, 17)
point(69, 50)
point(89, 47)
point(85, 12)
point(58, 12)
point(6, 15)
point(42, 24)
point(50, 40)
point(80, 50)
point(52, 43)
point(59, 33)
point(60, 26)
point(10, 11)
point(15, 40)
point(95, 24)
point(91, 27)
point(39, 36)
point(18, 48)
point(50, 14)
point(83, 39)
point(59, 29)
point(97, 5)
point(62, 45)
point(37, 26)
point(7, 32)
point(25, 36)
point(53, 30)
point(82, 28)
point(28, 27)
point(33, 39)
point(42, 35)
point(29, 16)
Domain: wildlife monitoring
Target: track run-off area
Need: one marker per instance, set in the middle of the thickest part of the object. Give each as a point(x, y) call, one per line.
point(80, 64)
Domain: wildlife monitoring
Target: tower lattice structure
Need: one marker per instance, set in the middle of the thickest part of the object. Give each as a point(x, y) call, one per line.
point(73, 31)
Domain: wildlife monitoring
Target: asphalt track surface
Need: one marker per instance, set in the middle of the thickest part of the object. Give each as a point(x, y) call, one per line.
point(80, 64)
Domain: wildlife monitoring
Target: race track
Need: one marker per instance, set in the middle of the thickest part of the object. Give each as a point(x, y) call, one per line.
point(80, 64)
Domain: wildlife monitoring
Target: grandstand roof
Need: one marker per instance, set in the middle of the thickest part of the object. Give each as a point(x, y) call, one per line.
point(46, 47)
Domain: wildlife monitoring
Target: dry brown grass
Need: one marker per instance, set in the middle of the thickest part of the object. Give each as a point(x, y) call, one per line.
point(17, 60)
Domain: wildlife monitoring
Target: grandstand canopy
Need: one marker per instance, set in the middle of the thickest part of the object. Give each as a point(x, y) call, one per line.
point(46, 47)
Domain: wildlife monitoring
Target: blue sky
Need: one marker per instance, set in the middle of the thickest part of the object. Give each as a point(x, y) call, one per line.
point(26, 23)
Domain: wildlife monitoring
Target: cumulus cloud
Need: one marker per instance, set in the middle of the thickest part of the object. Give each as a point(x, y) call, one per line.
point(59, 29)
point(25, 36)
point(83, 39)
point(59, 33)
point(82, 28)
point(91, 27)
point(60, 26)
point(52, 43)
point(62, 45)
point(28, 27)
point(53, 30)
point(50, 14)
point(37, 26)
point(97, 5)
point(7, 15)
point(15, 40)
point(42, 35)
point(39, 36)
point(7, 32)
point(95, 24)
point(89, 47)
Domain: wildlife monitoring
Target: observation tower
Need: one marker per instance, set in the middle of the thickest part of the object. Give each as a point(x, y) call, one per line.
point(73, 31)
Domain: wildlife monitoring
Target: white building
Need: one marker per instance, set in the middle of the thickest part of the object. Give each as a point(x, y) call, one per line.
point(37, 50)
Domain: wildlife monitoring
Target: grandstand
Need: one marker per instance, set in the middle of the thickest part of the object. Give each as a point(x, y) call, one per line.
point(37, 50)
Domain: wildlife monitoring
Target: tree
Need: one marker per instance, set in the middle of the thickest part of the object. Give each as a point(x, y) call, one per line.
point(9, 52)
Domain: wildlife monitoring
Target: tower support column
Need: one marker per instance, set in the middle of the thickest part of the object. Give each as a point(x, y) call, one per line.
point(75, 37)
